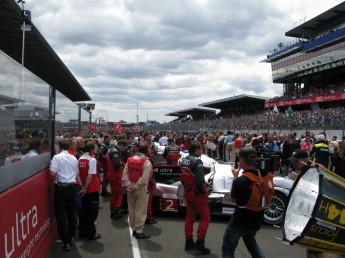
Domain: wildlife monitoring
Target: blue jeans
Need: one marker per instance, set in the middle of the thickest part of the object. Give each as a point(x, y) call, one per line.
point(230, 241)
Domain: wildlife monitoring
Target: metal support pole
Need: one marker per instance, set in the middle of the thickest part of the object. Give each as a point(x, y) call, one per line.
point(51, 127)
point(90, 122)
point(79, 120)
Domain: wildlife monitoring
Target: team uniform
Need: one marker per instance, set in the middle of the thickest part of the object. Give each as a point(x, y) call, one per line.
point(65, 168)
point(196, 195)
point(171, 154)
point(115, 169)
point(136, 176)
point(87, 165)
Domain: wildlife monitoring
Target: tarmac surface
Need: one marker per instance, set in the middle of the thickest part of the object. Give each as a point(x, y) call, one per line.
point(167, 239)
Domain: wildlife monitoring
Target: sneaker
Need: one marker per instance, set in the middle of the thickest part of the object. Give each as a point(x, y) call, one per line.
point(150, 221)
point(66, 247)
point(141, 236)
point(94, 237)
point(105, 193)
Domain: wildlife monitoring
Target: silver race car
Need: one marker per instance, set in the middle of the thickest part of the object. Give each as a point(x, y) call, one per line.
point(219, 177)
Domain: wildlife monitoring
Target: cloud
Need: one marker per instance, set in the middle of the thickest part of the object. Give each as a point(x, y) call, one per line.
point(171, 54)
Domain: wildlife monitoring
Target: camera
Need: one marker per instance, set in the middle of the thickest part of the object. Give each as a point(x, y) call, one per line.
point(266, 161)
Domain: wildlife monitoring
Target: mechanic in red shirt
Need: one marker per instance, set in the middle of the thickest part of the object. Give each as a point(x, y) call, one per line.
point(116, 163)
point(90, 187)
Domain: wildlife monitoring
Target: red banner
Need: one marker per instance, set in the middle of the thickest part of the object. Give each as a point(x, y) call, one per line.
point(28, 227)
point(307, 100)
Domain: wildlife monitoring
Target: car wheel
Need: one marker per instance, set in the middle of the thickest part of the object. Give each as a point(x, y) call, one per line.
point(274, 211)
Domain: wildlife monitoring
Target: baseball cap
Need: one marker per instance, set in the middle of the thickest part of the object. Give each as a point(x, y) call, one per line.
point(298, 154)
point(248, 153)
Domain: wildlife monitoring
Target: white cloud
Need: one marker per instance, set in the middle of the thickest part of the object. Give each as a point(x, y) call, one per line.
point(171, 54)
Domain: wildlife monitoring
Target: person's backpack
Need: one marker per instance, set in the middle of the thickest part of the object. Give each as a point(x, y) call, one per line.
point(264, 186)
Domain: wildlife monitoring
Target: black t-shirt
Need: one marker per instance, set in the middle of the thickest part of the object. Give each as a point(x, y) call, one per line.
point(339, 166)
point(241, 191)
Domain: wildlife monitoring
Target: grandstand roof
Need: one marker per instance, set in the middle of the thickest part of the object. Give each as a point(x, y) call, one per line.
point(239, 100)
point(175, 114)
point(312, 27)
point(40, 58)
point(195, 111)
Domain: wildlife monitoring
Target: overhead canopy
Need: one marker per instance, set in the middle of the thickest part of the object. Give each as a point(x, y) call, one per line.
point(320, 23)
point(196, 112)
point(40, 58)
point(175, 114)
point(240, 100)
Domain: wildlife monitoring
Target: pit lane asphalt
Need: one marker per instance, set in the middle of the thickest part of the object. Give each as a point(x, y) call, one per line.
point(167, 239)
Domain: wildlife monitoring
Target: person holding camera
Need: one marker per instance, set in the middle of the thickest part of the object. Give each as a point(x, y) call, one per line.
point(251, 192)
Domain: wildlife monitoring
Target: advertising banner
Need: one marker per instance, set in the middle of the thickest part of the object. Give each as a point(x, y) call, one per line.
point(307, 100)
point(28, 227)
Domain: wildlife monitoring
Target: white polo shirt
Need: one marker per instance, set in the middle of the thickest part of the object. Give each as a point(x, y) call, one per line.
point(65, 166)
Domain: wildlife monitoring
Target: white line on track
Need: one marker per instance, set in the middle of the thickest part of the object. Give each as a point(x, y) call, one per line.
point(135, 246)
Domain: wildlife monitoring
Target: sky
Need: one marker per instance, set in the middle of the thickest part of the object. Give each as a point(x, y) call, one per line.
point(153, 57)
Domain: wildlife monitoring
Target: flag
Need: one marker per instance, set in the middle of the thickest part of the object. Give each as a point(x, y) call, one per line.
point(275, 111)
point(118, 127)
point(288, 111)
point(88, 126)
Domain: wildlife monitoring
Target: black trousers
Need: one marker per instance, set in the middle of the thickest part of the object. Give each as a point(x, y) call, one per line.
point(64, 207)
point(88, 214)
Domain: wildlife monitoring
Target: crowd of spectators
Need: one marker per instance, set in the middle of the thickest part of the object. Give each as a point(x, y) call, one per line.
point(315, 91)
point(329, 118)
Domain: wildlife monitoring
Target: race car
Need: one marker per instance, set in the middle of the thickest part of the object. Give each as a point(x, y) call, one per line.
point(219, 177)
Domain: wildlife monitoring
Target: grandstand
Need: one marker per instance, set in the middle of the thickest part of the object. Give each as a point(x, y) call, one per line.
point(192, 113)
point(243, 104)
point(311, 69)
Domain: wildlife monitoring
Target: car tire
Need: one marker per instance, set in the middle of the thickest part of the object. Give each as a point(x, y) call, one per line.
point(274, 211)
